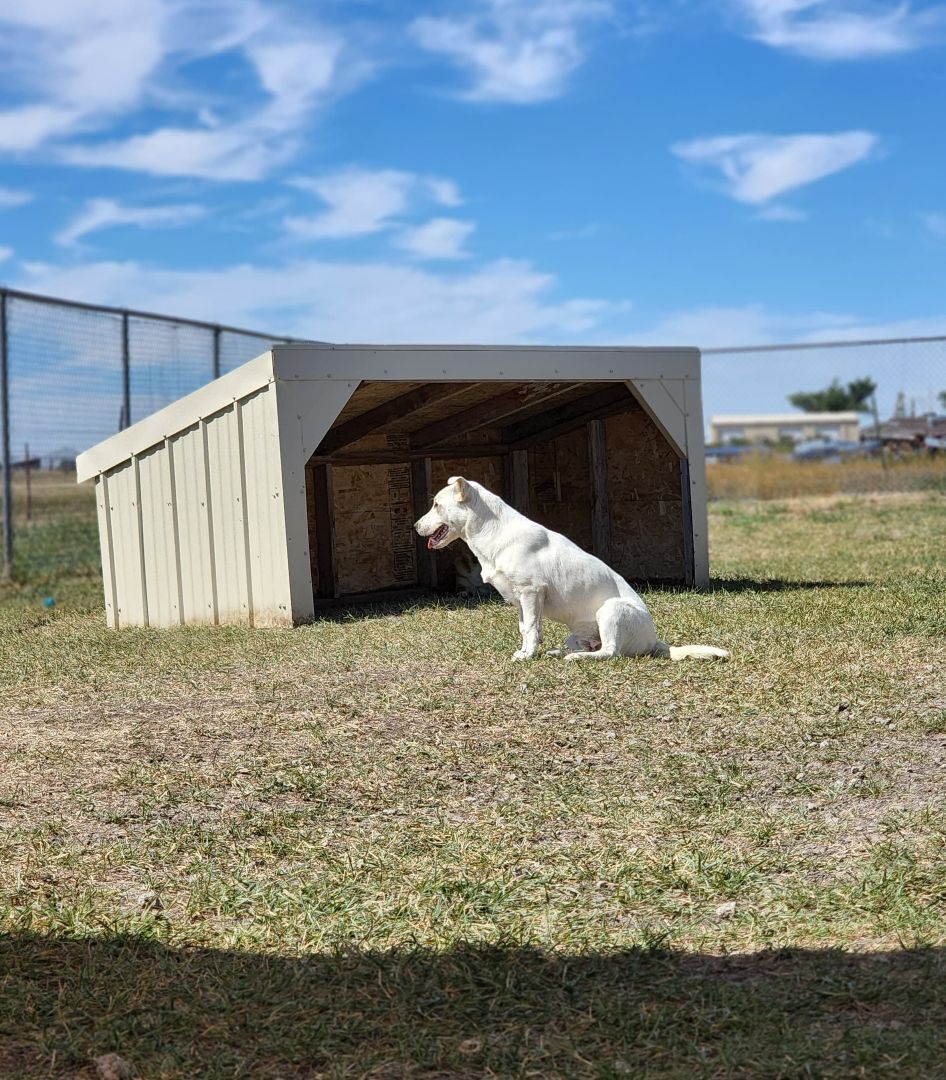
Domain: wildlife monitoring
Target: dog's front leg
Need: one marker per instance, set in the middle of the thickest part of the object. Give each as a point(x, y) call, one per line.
point(531, 602)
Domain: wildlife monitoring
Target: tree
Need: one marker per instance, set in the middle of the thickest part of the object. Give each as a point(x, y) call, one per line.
point(855, 397)
point(942, 398)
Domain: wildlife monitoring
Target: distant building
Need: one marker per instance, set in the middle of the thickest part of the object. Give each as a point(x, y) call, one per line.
point(912, 430)
point(773, 427)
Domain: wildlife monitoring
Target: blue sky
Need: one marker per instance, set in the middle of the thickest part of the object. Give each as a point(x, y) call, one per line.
point(600, 171)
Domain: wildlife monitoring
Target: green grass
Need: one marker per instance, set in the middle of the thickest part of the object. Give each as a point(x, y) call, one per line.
point(375, 847)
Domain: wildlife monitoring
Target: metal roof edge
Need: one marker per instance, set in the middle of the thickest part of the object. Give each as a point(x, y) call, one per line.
point(432, 363)
point(281, 346)
point(180, 414)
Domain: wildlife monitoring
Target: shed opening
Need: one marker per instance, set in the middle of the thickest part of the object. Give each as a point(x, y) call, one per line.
point(583, 458)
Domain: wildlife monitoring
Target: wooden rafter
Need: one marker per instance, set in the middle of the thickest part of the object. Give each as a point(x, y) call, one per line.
point(610, 399)
point(398, 457)
point(500, 407)
point(367, 423)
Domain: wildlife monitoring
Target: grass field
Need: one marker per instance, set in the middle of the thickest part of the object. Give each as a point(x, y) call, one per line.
point(375, 847)
point(775, 476)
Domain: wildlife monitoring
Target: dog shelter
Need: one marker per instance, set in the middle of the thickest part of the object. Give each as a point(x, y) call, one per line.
point(293, 482)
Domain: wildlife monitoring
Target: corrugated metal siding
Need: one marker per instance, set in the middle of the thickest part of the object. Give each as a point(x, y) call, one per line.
point(159, 537)
point(263, 510)
point(223, 450)
point(193, 529)
point(105, 544)
point(194, 538)
point(123, 503)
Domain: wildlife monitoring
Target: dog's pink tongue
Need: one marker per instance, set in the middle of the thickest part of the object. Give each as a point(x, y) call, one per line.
point(430, 543)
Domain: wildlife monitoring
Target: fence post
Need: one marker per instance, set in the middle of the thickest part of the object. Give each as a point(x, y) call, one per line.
point(883, 450)
point(126, 373)
point(216, 352)
point(5, 413)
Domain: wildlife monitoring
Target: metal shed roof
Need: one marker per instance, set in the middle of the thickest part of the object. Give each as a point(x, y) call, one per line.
point(203, 506)
point(352, 364)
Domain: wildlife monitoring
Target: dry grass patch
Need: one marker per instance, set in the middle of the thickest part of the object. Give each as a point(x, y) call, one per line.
point(775, 476)
point(376, 847)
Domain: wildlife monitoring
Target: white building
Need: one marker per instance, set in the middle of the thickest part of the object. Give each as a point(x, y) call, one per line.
point(773, 427)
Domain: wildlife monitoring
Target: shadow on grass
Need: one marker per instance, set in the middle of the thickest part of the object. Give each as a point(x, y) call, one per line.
point(379, 605)
point(187, 1012)
point(764, 585)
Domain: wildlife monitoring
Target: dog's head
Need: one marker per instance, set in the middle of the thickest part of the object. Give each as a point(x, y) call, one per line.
point(447, 519)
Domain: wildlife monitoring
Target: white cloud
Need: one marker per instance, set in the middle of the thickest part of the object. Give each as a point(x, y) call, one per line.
point(518, 51)
point(781, 212)
point(107, 213)
point(298, 75)
point(81, 66)
point(28, 126)
point(757, 168)
point(502, 301)
point(936, 224)
point(76, 60)
point(439, 238)
point(11, 198)
point(6, 253)
point(360, 202)
point(443, 191)
point(719, 327)
point(233, 153)
point(364, 201)
point(840, 29)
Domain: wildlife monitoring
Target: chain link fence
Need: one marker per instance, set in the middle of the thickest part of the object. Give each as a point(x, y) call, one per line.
point(762, 447)
point(73, 374)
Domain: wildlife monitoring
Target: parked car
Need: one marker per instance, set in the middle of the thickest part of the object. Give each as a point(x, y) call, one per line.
point(831, 450)
point(729, 453)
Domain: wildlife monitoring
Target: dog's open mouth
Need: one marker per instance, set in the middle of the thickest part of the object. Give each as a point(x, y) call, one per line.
point(440, 534)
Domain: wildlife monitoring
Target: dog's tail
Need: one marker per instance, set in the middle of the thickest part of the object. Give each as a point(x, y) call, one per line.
point(698, 652)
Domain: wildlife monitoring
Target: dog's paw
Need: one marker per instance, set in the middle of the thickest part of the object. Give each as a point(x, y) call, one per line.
point(522, 654)
point(553, 652)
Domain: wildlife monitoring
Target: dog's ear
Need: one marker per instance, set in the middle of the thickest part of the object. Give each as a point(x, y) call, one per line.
point(459, 488)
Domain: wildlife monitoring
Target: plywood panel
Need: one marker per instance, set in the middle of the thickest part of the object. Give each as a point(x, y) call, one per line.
point(561, 486)
point(645, 500)
point(487, 471)
point(362, 528)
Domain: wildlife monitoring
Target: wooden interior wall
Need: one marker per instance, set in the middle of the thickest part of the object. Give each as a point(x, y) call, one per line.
point(373, 519)
point(487, 471)
point(629, 509)
point(560, 486)
point(645, 500)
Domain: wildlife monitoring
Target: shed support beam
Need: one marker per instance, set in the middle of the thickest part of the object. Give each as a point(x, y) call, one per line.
point(324, 530)
point(600, 511)
point(516, 477)
point(689, 561)
point(421, 487)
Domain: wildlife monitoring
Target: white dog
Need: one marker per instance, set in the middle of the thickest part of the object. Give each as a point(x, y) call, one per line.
point(544, 573)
